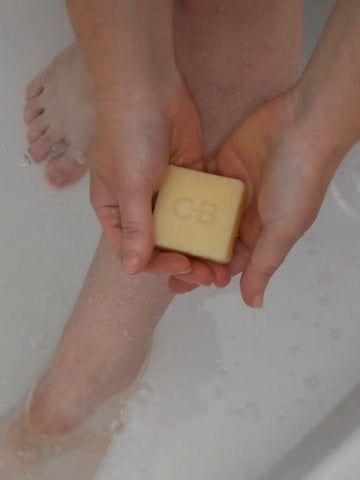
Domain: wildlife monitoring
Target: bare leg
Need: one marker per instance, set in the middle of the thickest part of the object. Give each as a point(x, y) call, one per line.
point(104, 345)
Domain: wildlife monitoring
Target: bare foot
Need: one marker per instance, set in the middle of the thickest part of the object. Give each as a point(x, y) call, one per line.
point(24, 456)
point(59, 108)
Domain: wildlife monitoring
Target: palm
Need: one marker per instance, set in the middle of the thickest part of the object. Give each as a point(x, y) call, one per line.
point(286, 188)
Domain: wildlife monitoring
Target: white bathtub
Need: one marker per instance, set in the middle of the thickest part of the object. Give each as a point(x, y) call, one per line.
point(230, 394)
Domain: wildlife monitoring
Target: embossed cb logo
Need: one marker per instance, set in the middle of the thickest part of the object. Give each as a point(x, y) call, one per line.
point(187, 209)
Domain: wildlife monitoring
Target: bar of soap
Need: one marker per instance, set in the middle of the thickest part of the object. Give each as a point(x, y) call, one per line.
point(198, 214)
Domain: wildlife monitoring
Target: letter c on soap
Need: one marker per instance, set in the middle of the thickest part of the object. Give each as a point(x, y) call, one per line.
point(183, 208)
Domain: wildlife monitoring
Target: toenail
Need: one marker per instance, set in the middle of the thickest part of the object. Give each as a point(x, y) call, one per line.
point(57, 177)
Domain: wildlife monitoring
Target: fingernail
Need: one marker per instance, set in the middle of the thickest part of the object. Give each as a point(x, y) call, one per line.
point(56, 177)
point(258, 300)
point(130, 263)
point(184, 272)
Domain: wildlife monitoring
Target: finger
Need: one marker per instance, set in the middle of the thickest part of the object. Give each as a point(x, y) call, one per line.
point(179, 287)
point(107, 211)
point(201, 274)
point(270, 251)
point(239, 259)
point(221, 274)
point(168, 264)
point(136, 228)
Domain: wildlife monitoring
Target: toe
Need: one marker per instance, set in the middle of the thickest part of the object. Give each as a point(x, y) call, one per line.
point(40, 149)
point(67, 168)
point(34, 89)
point(32, 110)
point(36, 129)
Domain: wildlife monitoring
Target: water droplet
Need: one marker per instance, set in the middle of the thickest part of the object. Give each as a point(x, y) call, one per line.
point(312, 381)
point(128, 335)
point(280, 417)
point(38, 342)
point(26, 454)
point(26, 160)
point(57, 450)
point(79, 157)
point(116, 426)
point(295, 348)
point(221, 8)
point(299, 401)
point(336, 333)
point(145, 393)
point(253, 410)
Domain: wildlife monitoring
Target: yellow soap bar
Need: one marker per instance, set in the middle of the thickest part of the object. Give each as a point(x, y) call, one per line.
point(198, 214)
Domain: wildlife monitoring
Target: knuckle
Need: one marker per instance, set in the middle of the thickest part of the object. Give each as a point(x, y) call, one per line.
point(130, 229)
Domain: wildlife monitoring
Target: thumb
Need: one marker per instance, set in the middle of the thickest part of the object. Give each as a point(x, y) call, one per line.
point(272, 246)
point(136, 228)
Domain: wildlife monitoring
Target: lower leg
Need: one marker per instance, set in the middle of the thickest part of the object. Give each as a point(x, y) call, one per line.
point(104, 345)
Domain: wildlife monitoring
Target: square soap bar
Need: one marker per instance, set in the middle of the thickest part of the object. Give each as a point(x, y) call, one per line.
point(198, 214)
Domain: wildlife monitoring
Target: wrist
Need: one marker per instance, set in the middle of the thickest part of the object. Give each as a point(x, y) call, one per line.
point(327, 117)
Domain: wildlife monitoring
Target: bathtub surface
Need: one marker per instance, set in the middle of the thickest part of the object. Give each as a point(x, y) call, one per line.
point(230, 393)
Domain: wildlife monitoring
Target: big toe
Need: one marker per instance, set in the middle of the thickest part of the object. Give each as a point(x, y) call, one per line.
point(67, 168)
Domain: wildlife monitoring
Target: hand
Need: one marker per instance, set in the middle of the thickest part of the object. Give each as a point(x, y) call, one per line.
point(287, 175)
point(139, 131)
